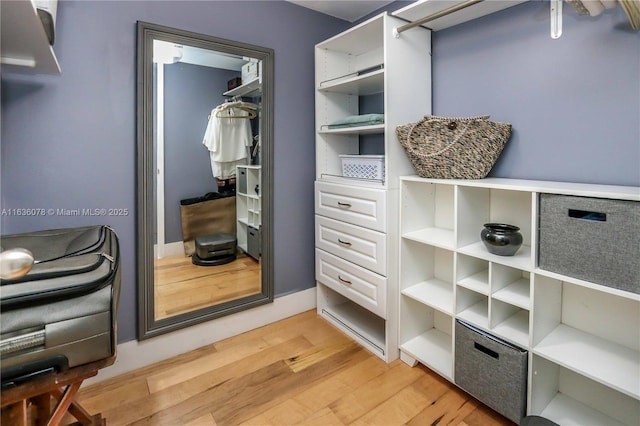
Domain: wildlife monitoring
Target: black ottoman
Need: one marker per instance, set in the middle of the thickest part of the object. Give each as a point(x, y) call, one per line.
point(214, 249)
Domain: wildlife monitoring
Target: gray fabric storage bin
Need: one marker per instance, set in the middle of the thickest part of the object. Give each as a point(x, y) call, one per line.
point(242, 181)
point(253, 242)
point(593, 239)
point(491, 370)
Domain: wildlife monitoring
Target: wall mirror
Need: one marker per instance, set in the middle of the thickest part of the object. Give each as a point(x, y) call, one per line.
point(204, 186)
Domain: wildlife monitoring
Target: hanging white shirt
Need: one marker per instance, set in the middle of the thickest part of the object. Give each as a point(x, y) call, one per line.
point(227, 140)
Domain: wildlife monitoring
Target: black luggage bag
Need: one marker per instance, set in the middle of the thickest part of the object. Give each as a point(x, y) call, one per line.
point(62, 313)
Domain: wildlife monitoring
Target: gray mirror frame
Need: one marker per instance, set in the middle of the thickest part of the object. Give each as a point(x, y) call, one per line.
point(146, 33)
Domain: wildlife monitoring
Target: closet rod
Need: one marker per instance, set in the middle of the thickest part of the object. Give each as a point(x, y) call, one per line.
point(445, 12)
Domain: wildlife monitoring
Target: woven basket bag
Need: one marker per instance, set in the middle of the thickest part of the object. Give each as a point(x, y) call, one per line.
point(453, 147)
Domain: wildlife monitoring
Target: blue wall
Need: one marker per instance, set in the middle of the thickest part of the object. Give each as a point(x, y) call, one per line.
point(574, 102)
point(191, 92)
point(69, 141)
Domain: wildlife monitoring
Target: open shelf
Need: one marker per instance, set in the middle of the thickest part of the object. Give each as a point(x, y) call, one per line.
point(360, 323)
point(433, 236)
point(356, 130)
point(568, 398)
point(428, 339)
point(433, 348)
point(613, 365)
point(521, 260)
point(248, 89)
point(435, 293)
point(477, 314)
point(588, 284)
point(567, 411)
point(427, 214)
point(478, 282)
point(515, 328)
point(361, 85)
point(516, 294)
point(358, 40)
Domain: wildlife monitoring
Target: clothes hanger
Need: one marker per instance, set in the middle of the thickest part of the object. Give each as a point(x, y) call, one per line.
point(250, 113)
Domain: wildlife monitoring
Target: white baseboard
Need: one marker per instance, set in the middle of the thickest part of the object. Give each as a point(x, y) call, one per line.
point(170, 249)
point(137, 354)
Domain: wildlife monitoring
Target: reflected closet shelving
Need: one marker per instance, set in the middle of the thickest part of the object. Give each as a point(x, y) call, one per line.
point(248, 207)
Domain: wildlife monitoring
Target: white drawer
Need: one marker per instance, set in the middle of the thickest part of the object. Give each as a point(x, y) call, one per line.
point(364, 287)
point(361, 246)
point(357, 205)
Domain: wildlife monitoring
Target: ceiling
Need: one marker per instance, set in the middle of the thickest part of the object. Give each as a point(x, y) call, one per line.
point(349, 10)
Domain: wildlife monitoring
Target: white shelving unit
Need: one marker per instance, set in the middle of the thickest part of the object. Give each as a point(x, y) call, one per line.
point(248, 203)
point(25, 45)
point(357, 278)
point(582, 337)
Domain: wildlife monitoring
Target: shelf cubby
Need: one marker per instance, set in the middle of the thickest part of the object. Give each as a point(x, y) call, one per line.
point(568, 398)
point(477, 206)
point(431, 283)
point(356, 49)
point(472, 307)
point(429, 338)
point(427, 212)
point(363, 325)
point(590, 332)
point(511, 285)
point(510, 322)
point(473, 274)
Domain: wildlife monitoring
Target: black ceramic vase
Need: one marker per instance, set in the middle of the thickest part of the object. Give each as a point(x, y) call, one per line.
point(501, 239)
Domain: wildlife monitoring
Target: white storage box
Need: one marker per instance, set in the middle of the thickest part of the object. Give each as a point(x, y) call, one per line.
point(363, 166)
point(250, 71)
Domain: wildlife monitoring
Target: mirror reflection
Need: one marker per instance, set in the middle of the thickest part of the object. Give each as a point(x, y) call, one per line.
point(201, 134)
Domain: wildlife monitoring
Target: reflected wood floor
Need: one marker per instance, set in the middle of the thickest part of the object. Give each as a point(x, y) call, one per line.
point(300, 370)
point(181, 286)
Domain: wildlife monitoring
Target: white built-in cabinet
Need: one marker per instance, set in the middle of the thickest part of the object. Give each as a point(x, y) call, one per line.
point(356, 232)
point(583, 338)
point(248, 204)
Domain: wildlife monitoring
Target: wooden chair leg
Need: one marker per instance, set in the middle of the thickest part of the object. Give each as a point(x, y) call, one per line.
point(15, 414)
point(63, 403)
point(42, 405)
point(77, 411)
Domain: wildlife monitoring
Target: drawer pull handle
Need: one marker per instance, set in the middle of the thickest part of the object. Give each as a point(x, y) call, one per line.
point(344, 281)
point(345, 243)
point(486, 350)
point(346, 205)
point(586, 215)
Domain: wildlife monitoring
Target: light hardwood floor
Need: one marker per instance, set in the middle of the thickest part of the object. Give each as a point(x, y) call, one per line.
point(181, 286)
point(300, 370)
